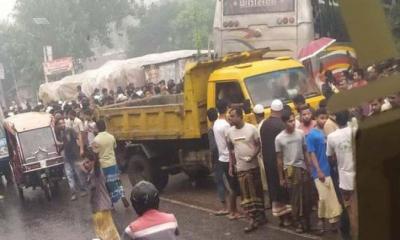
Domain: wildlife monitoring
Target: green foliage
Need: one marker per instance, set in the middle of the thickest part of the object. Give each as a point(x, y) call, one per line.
point(194, 23)
point(172, 25)
point(394, 16)
point(74, 26)
point(153, 33)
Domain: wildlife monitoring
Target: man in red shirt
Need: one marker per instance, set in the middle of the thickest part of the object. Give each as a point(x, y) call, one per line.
point(151, 223)
point(358, 79)
point(307, 122)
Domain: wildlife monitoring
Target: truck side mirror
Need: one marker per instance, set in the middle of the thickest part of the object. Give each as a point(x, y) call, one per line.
point(247, 106)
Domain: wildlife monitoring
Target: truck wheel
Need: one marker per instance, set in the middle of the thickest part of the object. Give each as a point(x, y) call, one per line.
point(139, 168)
point(121, 162)
point(160, 180)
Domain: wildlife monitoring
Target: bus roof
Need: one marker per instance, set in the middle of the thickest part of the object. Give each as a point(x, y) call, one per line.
point(242, 71)
point(28, 121)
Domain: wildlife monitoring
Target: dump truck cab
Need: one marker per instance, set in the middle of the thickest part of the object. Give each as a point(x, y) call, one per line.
point(260, 82)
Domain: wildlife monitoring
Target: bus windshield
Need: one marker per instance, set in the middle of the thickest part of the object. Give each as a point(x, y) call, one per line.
point(239, 7)
point(284, 85)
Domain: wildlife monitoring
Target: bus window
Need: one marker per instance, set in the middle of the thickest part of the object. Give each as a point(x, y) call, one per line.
point(230, 92)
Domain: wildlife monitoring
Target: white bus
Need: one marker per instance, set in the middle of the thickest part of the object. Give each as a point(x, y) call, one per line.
point(251, 24)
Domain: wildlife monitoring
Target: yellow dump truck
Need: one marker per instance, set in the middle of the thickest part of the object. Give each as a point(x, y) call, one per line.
point(164, 135)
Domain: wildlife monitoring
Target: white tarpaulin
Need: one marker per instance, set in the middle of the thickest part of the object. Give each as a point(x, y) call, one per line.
point(113, 74)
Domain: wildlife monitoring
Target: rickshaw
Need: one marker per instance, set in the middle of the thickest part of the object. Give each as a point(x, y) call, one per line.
point(34, 157)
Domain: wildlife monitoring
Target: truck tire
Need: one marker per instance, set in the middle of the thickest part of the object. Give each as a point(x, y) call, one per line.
point(160, 180)
point(140, 168)
point(121, 162)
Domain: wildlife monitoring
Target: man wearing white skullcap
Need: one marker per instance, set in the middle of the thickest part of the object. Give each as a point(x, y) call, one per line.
point(258, 111)
point(279, 197)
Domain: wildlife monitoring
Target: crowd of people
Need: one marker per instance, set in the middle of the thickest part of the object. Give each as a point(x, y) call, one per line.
point(303, 156)
point(105, 97)
point(99, 97)
point(357, 78)
point(295, 161)
point(90, 165)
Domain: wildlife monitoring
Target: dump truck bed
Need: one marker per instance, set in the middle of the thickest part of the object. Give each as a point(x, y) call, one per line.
point(154, 118)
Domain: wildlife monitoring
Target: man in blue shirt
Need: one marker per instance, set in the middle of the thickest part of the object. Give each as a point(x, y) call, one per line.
point(328, 204)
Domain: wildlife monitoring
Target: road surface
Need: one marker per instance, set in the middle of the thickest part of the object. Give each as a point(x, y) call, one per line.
point(35, 218)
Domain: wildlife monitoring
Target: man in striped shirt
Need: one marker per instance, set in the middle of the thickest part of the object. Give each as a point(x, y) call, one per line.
point(151, 224)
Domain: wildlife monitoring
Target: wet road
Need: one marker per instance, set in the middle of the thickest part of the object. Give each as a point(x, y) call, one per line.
point(37, 219)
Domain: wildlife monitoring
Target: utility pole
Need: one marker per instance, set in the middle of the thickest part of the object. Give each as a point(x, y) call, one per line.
point(2, 77)
point(14, 76)
point(47, 50)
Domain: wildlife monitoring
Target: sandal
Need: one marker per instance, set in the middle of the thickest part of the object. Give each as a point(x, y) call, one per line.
point(287, 224)
point(235, 217)
point(221, 213)
point(299, 230)
point(125, 202)
point(251, 228)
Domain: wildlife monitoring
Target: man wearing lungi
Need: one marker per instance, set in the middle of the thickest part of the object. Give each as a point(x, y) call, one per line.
point(104, 145)
point(244, 146)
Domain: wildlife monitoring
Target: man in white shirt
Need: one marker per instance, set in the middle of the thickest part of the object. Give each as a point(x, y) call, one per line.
point(244, 146)
point(339, 148)
point(293, 170)
point(221, 127)
point(73, 122)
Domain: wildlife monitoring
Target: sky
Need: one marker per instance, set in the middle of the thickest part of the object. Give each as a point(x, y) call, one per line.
point(6, 6)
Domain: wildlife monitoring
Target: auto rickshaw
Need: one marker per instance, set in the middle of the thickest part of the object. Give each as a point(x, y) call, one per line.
point(34, 158)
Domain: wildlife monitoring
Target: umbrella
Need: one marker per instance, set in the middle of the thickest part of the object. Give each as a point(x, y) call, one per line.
point(315, 47)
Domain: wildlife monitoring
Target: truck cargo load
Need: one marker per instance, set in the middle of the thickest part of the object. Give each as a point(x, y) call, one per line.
point(119, 73)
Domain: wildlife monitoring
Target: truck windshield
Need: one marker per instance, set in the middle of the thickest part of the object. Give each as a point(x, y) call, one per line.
point(284, 85)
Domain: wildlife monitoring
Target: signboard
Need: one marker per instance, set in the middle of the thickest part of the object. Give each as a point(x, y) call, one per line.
point(58, 66)
point(49, 53)
point(242, 7)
